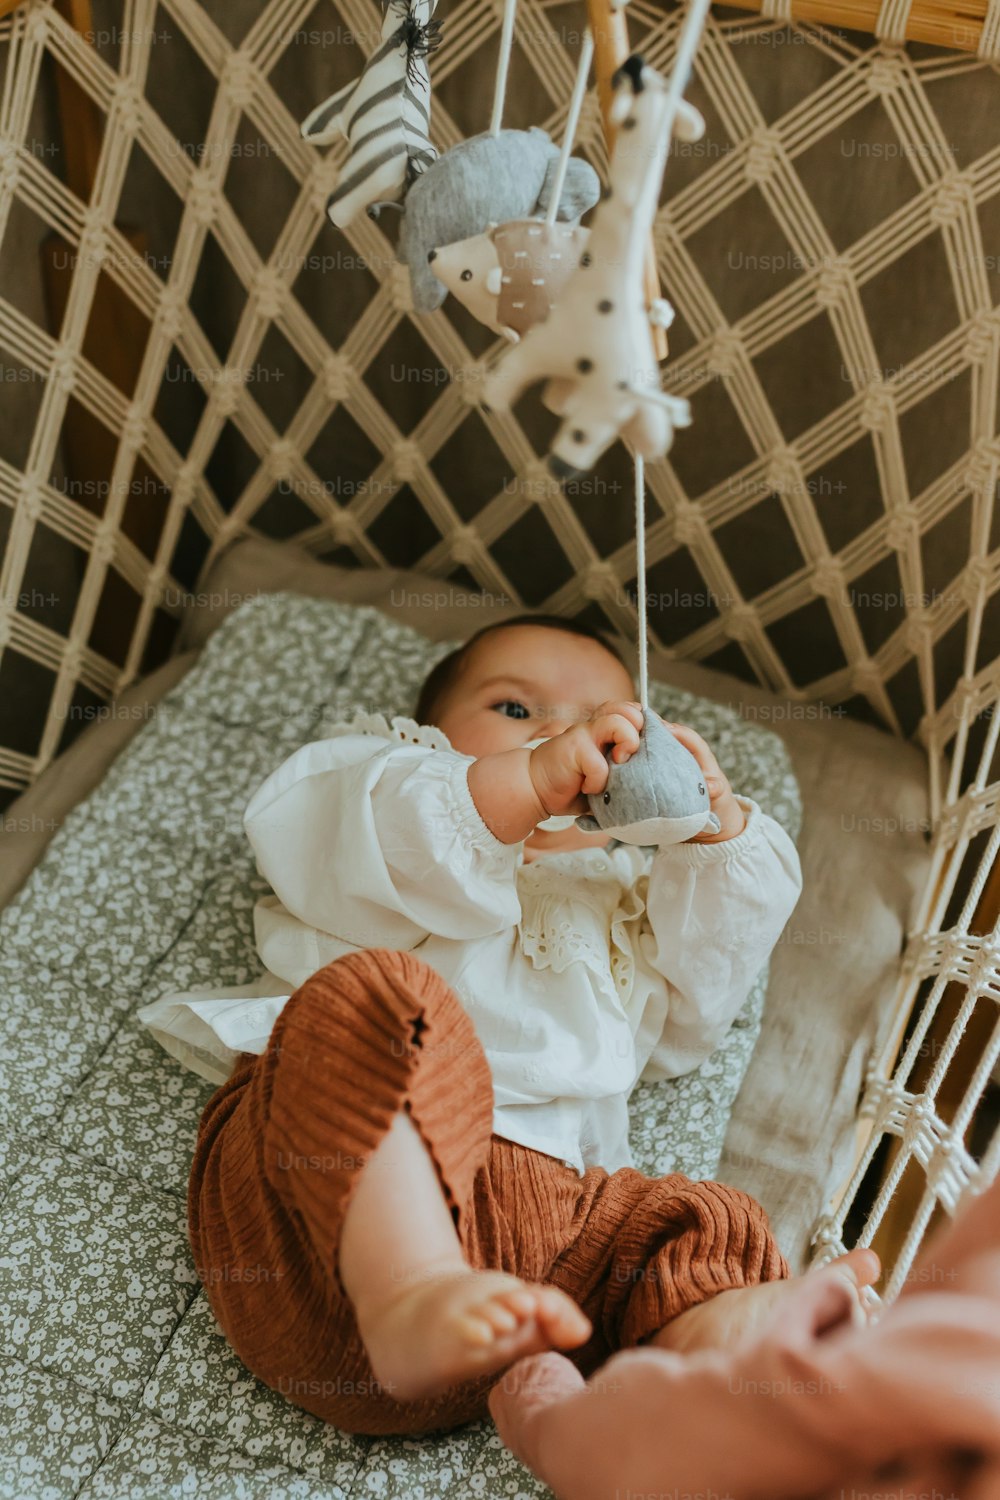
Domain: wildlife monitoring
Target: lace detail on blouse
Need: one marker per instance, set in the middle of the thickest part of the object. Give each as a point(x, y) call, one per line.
point(572, 912)
point(405, 731)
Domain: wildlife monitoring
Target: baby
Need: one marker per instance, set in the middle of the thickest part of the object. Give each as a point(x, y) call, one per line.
point(421, 1151)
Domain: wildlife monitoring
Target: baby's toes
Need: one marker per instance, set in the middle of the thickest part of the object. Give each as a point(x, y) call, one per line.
point(498, 1313)
point(475, 1328)
point(563, 1323)
point(522, 1300)
point(501, 1317)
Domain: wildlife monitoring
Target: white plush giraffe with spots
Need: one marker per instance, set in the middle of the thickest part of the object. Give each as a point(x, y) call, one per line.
point(595, 348)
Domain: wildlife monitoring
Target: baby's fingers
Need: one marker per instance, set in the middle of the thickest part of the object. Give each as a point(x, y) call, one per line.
point(700, 749)
point(618, 731)
point(593, 767)
point(627, 709)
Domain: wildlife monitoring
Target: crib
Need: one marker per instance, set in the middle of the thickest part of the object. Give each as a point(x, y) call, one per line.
point(226, 433)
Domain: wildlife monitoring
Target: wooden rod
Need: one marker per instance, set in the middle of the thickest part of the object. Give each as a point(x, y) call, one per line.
point(79, 116)
point(611, 48)
point(953, 26)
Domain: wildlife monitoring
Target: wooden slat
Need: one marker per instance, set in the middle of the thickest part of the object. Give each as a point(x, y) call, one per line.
point(956, 27)
point(78, 114)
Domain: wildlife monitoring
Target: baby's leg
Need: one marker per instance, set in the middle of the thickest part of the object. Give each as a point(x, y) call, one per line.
point(426, 1318)
point(370, 1110)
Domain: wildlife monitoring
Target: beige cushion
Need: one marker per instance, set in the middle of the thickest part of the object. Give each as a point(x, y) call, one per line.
point(863, 849)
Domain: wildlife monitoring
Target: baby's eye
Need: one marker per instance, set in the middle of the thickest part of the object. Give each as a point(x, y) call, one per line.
point(512, 703)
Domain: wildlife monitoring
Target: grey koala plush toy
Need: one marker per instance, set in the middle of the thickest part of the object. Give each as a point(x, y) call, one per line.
point(488, 179)
point(657, 796)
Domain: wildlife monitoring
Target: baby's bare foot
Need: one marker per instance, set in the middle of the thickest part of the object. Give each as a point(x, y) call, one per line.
point(462, 1324)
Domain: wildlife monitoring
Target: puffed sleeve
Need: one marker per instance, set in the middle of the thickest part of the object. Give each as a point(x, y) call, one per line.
point(713, 914)
point(381, 844)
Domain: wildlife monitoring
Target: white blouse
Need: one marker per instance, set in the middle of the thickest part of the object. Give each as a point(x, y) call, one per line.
point(582, 972)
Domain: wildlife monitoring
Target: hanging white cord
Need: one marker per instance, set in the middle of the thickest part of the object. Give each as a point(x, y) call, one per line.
point(503, 65)
point(690, 35)
point(640, 573)
point(694, 23)
point(572, 121)
point(569, 136)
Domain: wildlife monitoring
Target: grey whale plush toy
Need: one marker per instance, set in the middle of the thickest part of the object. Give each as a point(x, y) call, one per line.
point(485, 180)
point(657, 796)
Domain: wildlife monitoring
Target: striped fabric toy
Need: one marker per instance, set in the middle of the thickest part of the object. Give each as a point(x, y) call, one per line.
point(385, 115)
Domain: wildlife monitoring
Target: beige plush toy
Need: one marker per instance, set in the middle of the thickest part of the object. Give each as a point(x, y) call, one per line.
point(595, 348)
point(510, 275)
point(471, 272)
point(536, 260)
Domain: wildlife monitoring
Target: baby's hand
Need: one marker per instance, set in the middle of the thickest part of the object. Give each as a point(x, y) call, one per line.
point(720, 794)
point(570, 766)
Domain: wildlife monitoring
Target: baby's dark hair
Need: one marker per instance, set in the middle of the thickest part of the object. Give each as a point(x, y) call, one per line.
point(443, 676)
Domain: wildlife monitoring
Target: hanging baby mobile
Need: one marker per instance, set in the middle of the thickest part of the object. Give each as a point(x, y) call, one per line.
point(495, 221)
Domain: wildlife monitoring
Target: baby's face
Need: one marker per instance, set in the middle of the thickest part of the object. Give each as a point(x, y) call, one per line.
point(529, 682)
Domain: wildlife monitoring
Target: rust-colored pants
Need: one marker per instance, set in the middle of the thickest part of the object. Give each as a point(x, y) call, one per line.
point(281, 1145)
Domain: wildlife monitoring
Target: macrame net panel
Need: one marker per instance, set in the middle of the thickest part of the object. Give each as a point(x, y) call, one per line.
point(206, 356)
point(927, 1127)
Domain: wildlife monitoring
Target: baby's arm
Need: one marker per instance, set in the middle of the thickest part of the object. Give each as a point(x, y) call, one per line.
point(715, 907)
point(381, 845)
